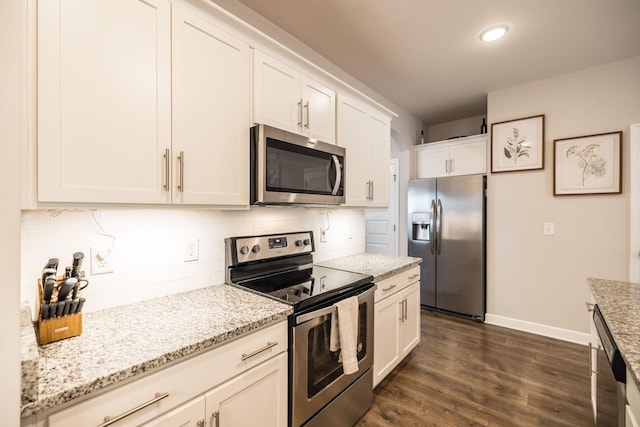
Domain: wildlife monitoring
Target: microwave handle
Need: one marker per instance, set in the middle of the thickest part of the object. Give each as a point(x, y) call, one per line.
point(336, 185)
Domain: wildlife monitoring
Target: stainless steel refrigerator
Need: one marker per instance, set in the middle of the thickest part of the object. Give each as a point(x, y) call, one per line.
point(447, 230)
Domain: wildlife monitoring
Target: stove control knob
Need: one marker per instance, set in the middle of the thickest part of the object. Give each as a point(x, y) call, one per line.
point(305, 242)
point(244, 250)
point(255, 249)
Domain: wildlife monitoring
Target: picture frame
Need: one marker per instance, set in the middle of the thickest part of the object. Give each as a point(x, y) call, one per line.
point(517, 145)
point(590, 164)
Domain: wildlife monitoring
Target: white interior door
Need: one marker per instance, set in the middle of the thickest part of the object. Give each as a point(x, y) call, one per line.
point(634, 214)
point(381, 225)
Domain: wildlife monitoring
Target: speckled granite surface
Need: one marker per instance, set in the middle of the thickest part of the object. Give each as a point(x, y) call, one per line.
point(619, 302)
point(28, 355)
point(116, 344)
point(379, 266)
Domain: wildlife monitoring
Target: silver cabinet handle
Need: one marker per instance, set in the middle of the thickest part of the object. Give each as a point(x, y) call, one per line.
point(404, 310)
point(300, 113)
point(181, 172)
point(401, 311)
point(336, 185)
point(446, 165)
point(590, 363)
point(306, 105)
point(451, 165)
point(372, 191)
point(165, 178)
point(216, 418)
point(246, 356)
point(388, 288)
point(108, 420)
point(415, 276)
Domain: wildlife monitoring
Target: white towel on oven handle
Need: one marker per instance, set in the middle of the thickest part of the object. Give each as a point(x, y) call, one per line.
point(344, 333)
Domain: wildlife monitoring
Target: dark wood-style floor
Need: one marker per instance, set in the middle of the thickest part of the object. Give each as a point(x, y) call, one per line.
point(465, 373)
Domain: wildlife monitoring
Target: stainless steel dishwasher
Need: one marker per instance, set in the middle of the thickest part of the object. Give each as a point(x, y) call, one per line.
point(611, 376)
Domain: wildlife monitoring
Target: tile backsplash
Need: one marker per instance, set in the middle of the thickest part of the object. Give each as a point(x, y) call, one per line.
point(148, 254)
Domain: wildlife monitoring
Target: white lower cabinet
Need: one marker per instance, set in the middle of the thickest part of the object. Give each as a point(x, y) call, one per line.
point(397, 321)
point(633, 402)
point(250, 372)
point(256, 398)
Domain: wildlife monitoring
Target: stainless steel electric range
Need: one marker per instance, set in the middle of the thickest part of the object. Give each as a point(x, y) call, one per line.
point(280, 266)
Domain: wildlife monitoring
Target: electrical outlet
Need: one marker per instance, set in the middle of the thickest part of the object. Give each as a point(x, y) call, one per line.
point(323, 234)
point(191, 250)
point(101, 261)
point(549, 229)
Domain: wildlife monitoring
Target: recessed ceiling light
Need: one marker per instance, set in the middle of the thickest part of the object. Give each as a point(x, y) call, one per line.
point(494, 33)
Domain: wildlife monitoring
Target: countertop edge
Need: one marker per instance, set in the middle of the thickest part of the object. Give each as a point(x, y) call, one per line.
point(598, 286)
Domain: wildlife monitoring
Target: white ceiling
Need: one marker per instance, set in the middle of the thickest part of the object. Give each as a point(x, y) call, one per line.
point(426, 56)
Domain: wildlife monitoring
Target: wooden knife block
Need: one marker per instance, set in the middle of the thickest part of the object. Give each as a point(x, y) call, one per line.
point(58, 328)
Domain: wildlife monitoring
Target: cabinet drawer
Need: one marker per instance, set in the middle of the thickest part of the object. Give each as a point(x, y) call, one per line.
point(393, 284)
point(181, 381)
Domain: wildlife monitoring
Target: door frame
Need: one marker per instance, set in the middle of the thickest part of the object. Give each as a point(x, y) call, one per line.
point(634, 204)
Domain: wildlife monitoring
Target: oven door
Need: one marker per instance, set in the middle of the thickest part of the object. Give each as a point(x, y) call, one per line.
point(290, 168)
point(317, 374)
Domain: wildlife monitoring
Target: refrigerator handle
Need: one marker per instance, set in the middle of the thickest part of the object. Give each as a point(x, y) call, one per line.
point(439, 226)
point(432, 223)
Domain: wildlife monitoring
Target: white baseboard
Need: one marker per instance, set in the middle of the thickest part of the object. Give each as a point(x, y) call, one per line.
point(538, 329)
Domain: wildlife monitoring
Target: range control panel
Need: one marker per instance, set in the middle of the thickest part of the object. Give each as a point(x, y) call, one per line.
point(256, 248)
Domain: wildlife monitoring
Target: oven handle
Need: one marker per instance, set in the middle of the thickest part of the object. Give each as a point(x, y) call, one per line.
point(327, 310)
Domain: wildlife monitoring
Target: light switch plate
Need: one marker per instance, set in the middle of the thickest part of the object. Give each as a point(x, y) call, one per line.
point(549, 229)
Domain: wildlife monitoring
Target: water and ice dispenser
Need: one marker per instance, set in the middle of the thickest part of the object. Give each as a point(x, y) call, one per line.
point(421, 226)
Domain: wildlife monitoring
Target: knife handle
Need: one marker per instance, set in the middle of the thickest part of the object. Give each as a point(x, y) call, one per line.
point(81, 302)
point(44, 311)
point(59, 308)
point(74, 306)
point(67, 306)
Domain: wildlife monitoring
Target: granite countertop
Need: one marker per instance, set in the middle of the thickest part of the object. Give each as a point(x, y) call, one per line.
point(119, 343)
point(379, 266)
point(619, 302)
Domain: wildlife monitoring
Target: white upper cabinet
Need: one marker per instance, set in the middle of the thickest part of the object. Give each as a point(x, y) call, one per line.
point(104, 106)
point(289, 100)
point(366, 135)
point(141, 103)
point(211, 113)
point(463, 156)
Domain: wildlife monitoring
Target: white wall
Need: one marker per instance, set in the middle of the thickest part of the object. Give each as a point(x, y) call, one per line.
point(463, 127)
point(538, 282)
point(11, 109)
point(148, 255)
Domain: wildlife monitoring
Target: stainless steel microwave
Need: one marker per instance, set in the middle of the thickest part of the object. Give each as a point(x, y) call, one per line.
point(287, 168)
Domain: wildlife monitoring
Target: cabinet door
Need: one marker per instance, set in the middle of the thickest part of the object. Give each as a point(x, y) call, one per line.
point(352, 131)
point(433, 161)
point(469, 157)
point(257, 397)
point(386, 354)
point(277, 100)
point(319, 111)
point(104, 113)
point(190, 414)
point(211, 113)
point(410, 326)
point(379, 140)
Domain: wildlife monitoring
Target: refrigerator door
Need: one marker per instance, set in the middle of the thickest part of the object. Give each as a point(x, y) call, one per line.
point(460, 266)
point(421, 234)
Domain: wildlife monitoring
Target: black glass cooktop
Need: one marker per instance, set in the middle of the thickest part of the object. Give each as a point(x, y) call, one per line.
point(308, 287)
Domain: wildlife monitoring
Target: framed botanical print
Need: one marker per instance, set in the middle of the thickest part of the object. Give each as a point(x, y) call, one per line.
point(517, 145)
point(589, 164)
